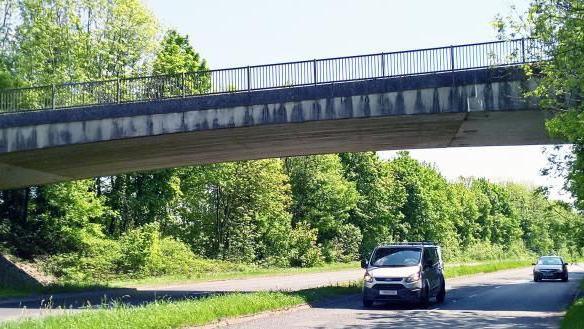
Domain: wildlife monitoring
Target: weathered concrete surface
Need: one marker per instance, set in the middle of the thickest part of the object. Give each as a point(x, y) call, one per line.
point(16, 277)
point(474, 108)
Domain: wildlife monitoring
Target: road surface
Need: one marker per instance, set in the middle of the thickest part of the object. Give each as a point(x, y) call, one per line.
point(507, 299)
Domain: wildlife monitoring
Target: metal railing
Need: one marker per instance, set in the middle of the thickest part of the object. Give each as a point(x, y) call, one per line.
point(272, 76)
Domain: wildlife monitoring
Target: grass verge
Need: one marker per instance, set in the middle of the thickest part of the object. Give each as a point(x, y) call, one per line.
point(574, 318)
point(184, 313)
point(462, 270)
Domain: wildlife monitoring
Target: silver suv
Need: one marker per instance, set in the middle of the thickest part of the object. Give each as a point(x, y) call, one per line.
point(410, 272)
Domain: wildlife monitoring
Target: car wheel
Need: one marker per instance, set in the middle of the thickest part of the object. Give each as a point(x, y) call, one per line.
point(535, 278)
point(565, 278)
point(441, 294)
point(367, 302)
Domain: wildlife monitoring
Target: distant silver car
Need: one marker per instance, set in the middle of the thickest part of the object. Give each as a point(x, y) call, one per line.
point(550, 268)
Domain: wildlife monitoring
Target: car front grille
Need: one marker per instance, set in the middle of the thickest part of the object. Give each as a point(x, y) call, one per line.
point(388, 286)
point(388, 279)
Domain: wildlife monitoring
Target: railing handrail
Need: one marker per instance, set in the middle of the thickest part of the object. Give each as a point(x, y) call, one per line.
point(284, 74)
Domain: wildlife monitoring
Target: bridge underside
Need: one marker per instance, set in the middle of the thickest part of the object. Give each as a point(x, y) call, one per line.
point(437, 130)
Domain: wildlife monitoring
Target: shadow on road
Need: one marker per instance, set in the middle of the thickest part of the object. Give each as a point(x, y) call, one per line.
point(105, 298)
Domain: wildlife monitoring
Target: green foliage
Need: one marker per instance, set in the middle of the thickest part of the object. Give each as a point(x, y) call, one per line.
point(575, 316)
point(322, 197)
point(236, 211)
point(376, 213)
point(557, 24)
point(345, 246)
point(176, 55)
point(426, 208)
point(96, 261)
point(63, 40)
point(52, 219)
point(304, 251)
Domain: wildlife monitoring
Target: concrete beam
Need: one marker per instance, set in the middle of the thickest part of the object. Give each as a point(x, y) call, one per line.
point(441, 111)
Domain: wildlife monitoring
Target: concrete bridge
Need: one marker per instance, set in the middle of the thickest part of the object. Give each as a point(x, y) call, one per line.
point(430, 98)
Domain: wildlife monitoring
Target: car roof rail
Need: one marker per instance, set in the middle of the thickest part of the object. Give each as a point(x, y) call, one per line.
point(411, 243)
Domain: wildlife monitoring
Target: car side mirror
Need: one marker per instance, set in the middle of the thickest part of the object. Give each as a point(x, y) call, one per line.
point(533, 264)
point(364, 263)
point(565, 264)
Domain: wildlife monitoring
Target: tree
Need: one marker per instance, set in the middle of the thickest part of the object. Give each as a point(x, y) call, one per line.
point(141, 198)
point(376, 213)
point(176, 55)
point(54, 218)
point(556, 25)
point(65, 40)
point(321, 196)
point(236, 211)
point(426, 210)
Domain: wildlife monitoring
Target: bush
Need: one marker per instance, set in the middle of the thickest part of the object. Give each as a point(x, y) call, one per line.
point(171, 257)
point(344, 247)
point(96, 261)
point(140, 247)
point(138, 253)
point(304, 252)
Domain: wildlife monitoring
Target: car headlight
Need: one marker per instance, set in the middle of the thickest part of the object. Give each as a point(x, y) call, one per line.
point(413, 278)
point(368, 278)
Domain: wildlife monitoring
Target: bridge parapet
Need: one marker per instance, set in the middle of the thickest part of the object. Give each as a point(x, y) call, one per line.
point(273, 76)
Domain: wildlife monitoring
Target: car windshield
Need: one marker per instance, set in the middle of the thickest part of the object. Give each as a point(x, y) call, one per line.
point(396, 257)
point(549, 261)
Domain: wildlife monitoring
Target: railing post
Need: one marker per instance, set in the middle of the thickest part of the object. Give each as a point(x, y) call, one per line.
point(383, 65)
point(452, 58)
point(523, 50)
point(248, 78)
point(314, 71)
point(183, 86)
point(53, 94)
point(118, 91)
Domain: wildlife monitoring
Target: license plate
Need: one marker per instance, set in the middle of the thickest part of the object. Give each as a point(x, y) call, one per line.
point(388, 292)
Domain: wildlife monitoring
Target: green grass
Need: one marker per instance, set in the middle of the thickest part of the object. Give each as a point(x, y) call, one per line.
point(185, 313)
point(10, 292)
point(488, 267)
point(574, 318)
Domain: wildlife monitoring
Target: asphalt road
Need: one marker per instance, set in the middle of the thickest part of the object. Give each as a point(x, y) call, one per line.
point(507, 299)
point(74, 302)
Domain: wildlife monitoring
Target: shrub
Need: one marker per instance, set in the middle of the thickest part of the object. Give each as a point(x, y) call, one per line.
point(344, 247)
point(304, 252)
point(171, 257)
point(140, 247)
point(95, 261)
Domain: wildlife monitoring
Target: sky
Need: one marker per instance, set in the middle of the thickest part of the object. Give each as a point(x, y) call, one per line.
point(229, 33)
